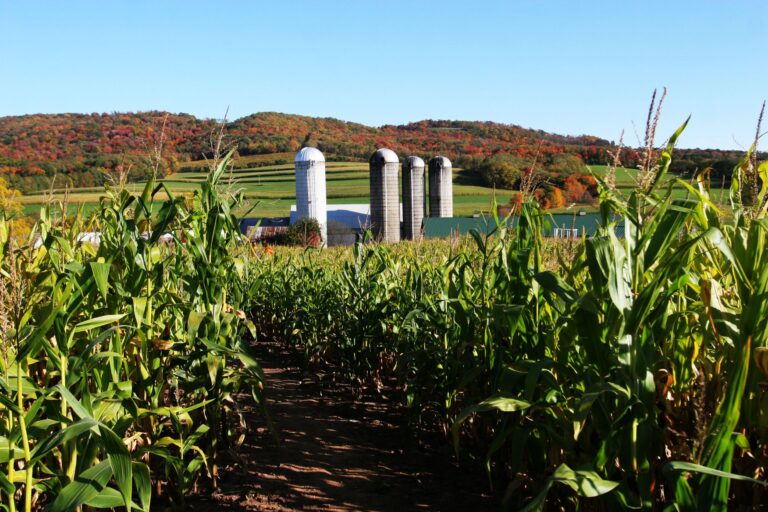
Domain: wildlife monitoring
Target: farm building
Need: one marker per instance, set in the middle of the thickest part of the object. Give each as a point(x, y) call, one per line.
point(263, 228)
point(346, 222)
point(558, 225)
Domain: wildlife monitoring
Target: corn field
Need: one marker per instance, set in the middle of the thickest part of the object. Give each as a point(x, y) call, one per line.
point(609, 373)
point(120, 360)
point(613, 373)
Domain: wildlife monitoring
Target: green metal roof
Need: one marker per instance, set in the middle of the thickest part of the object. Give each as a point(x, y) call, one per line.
point(441, 227)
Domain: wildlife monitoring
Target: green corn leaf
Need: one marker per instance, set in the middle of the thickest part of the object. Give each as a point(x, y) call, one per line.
point(168, 411)
point(72, 431)
point(690, 467)
point(166, 217)
point(478, 239)
point(499, 403)
point(668, 229)
point(586, 483)
point(213, 364)
point(94, 323)
point(666, 157)
point(10, 404)
point(73, 402)
point(139, 309)
point(555, 284)
point(9, 452)
point(34, 410)
point(701, 196)
point(193, 324)
point(107, 498)
point(87, 485)
point(195, 437)
point(684, 496)
point(38, 339)
point(245, 354)
point(742, 441)
point(737, 177)
point(146, 196)
point(6, 485)
point(120, 460)
point(762, 171)
point(143, 484)
point(168, 441)
point(101, 277)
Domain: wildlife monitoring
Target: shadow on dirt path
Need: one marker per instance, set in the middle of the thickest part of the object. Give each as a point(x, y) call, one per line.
point(337, 454)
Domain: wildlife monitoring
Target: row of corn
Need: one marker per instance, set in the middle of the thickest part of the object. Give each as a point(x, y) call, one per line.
point(120, 360)
point(629, 374)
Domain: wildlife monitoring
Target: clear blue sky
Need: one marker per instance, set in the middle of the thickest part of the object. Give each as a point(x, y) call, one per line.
point(569, 67)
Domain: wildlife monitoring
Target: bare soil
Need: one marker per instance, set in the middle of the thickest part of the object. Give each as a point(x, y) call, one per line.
point(337, 453)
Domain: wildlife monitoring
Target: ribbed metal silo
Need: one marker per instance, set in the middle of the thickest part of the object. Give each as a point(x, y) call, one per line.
point(440, 187)
point(385, 196)
point(413, 197)
point(310, 188)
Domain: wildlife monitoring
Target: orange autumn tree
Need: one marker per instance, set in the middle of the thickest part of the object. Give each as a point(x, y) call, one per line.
point(556, 198)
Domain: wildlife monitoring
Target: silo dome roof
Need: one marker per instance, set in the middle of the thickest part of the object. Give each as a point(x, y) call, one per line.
point(310, 155)
point(415, 161)
point(441, 160)
point(387, 155)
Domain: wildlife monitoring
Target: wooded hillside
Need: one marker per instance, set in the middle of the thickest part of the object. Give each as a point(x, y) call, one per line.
point(83, 150)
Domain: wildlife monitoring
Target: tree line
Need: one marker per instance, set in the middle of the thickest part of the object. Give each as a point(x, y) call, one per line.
point(84, 150)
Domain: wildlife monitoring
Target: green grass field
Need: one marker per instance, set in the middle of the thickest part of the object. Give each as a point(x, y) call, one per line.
point(270, 190)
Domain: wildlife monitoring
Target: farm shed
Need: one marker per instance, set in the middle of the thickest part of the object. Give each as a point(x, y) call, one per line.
point(263, 228)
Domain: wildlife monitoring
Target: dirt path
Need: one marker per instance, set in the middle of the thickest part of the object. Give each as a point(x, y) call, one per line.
point(337, 454)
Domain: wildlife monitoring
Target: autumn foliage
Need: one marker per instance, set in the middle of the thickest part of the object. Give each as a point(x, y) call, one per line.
point(85, 150)
point(580, 188)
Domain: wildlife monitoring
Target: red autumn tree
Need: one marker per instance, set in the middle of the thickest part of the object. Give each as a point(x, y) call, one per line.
point(574, 189)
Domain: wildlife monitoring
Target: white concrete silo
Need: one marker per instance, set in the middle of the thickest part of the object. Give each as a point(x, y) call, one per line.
point(440, 187)
point(311, 199)
point(385, 195)
point(413, 197)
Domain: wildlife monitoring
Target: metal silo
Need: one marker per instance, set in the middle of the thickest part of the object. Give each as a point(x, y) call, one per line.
point(440, 187)
point(385, 196)
point(413, 197)
point(310, 188)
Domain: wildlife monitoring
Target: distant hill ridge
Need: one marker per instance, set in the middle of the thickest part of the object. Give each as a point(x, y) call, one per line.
point(85, 148)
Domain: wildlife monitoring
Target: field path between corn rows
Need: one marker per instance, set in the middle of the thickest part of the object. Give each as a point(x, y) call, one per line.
point(337, 454)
